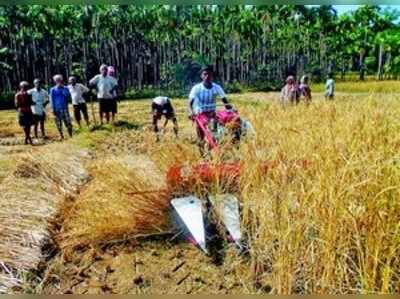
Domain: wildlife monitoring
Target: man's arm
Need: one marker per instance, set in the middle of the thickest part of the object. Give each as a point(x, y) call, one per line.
point(46, 98)
point(192, 97)
point(93, 81)
point(84, 88)
point(190, 107)
point(297, 93)
point(16, 102)
point(222, 95)
point(115, 87)
point(68, 96)
point(31, 100)
point(51, 97)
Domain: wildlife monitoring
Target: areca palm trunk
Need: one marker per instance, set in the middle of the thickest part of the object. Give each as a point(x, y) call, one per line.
point(380, 61)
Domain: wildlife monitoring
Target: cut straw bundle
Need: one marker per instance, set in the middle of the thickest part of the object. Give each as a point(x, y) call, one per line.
point(127, 197)
point(29, 199)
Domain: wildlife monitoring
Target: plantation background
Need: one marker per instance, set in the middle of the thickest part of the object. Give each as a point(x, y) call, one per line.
point(161, 47)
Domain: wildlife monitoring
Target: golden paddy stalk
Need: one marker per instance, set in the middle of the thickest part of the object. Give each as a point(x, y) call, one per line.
point(333, 227)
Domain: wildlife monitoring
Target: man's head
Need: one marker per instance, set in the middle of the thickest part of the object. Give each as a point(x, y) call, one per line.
point(207, 74)
point(111, 71)
point(58, 79)
point(290, 80)
point(37, 83)
point(103, 69)
point(304, 79)
point(24, 85)
point(72, 80)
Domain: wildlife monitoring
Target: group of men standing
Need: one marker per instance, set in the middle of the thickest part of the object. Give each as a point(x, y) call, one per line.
point(31, 103)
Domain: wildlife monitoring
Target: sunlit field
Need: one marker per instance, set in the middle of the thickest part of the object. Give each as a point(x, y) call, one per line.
point(323, 218)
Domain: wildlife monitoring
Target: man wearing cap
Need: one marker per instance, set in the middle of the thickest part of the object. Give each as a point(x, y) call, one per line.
point(202, 100)
point(40, 99)
point(78, 102)
point(106, 86)
point(59, 96)
point(23, 103)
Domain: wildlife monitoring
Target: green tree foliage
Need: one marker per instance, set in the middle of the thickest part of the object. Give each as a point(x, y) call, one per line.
point(163, 46)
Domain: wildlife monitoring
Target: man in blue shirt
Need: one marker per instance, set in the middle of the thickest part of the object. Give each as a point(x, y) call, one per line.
point(59, 96)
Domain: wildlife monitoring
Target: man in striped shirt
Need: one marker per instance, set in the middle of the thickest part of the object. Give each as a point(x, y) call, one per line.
point(202, 100)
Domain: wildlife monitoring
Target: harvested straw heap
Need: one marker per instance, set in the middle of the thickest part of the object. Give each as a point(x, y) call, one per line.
point(29, 199)
point(126, 198)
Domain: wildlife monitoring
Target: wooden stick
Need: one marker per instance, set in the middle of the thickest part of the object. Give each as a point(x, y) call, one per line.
point(92, 108)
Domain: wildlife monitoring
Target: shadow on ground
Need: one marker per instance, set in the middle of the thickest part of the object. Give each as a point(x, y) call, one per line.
point(118, 125)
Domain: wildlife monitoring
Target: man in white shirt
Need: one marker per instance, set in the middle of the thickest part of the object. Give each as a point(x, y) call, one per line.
point(202, 103)
point(106, 86)
point(162, 106)
point(330, 87)
point(40, 99)
point(78, 102)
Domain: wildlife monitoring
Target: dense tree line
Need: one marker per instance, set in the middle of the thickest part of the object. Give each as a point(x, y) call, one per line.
point(163, 46)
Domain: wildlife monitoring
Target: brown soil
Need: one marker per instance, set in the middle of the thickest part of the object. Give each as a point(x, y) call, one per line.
point(156, 266)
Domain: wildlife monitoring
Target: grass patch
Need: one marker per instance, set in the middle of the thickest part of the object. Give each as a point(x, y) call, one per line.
point(383, 87)
point(126, 125)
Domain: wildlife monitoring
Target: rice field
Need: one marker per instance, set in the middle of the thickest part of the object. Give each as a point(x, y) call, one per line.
point(330, 225)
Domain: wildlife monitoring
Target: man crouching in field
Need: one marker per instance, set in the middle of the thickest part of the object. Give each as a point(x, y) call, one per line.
point(59, 96)
point(162, 106)
point(202, 101)
point(23, 103)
